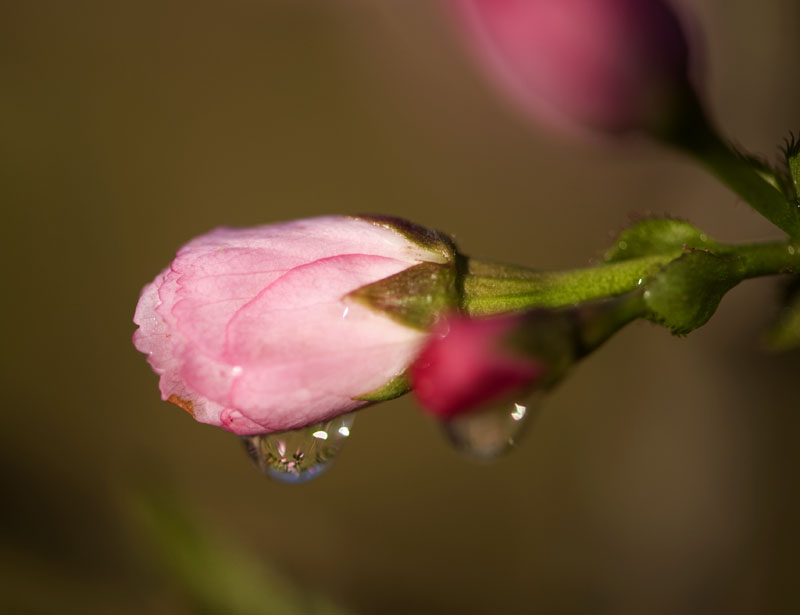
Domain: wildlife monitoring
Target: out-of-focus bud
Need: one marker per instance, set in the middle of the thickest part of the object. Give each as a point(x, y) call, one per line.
point(469, 363)
point(606, 65)
point(278, 327)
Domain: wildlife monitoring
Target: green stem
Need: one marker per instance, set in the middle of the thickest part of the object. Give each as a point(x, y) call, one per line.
point(490, 288)
point(760, 259)
point(692, 133)
point(493, 288)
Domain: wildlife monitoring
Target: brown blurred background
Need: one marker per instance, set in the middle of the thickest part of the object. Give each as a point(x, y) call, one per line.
point(660, 478)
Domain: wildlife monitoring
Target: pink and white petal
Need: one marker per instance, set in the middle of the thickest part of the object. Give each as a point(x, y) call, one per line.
point(302, 312)
point(219, 272)
point(203, 323)
point(290, 244)
point(210, 378)
point(230, 260)
point(318, 379)
point(175, 391)
point(167, 298)
point(155, 337)
point(147, 338)
point(208, 297)
point(235, 422)
point(285, 396)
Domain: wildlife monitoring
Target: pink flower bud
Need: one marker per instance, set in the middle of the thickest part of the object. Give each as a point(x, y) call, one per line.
point(468, 364)
point(608, 65)
point(253, 330)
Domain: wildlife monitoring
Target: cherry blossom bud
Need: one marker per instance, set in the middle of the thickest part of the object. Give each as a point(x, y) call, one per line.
point(606, 65)
point(277, 327)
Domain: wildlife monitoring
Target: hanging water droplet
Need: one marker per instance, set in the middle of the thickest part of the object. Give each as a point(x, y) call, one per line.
point(488, 433)
point(301, 454)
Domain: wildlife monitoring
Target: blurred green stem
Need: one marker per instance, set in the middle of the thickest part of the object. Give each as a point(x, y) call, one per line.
point(692, 132)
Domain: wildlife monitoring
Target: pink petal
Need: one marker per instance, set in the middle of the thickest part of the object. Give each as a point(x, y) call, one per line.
point(315, 346)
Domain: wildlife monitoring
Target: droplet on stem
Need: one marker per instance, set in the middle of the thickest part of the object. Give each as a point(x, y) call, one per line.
point(301, 454)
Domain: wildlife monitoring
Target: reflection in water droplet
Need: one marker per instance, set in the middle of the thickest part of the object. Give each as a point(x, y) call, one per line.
point(488, 433)
point(299, 455)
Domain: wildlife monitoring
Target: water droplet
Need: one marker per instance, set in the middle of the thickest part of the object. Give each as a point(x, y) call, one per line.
point(301, 454)
point(487, 434)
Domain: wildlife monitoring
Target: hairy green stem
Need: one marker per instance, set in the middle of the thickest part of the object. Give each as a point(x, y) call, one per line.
point(490, 288)
point(760, 259)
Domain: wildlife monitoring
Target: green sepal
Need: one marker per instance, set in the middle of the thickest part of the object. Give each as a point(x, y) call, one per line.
point(784, 334)
point(687, 291)
point(397, 386)
point(657, 236)
point(415, 297)
point(432, 240)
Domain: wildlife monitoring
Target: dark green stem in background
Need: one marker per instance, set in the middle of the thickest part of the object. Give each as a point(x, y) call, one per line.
point(597, 323)
point(692, 132)
point(560, 338)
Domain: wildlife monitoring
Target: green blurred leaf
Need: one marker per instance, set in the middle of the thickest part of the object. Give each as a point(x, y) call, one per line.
point(217, 577)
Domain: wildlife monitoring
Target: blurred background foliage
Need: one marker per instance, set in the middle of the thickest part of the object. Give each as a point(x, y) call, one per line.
point(660, 478)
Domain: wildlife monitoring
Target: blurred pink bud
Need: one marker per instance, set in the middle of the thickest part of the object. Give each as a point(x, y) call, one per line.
point(607, 65)
point(252, 329)
point(467, 364)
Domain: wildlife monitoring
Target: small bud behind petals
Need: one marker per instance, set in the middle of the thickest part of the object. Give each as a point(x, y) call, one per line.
point(469, 364)
point(466, 365)
point(606, 65)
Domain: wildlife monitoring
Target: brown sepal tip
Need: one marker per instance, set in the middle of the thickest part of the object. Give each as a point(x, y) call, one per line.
point(182, 403)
